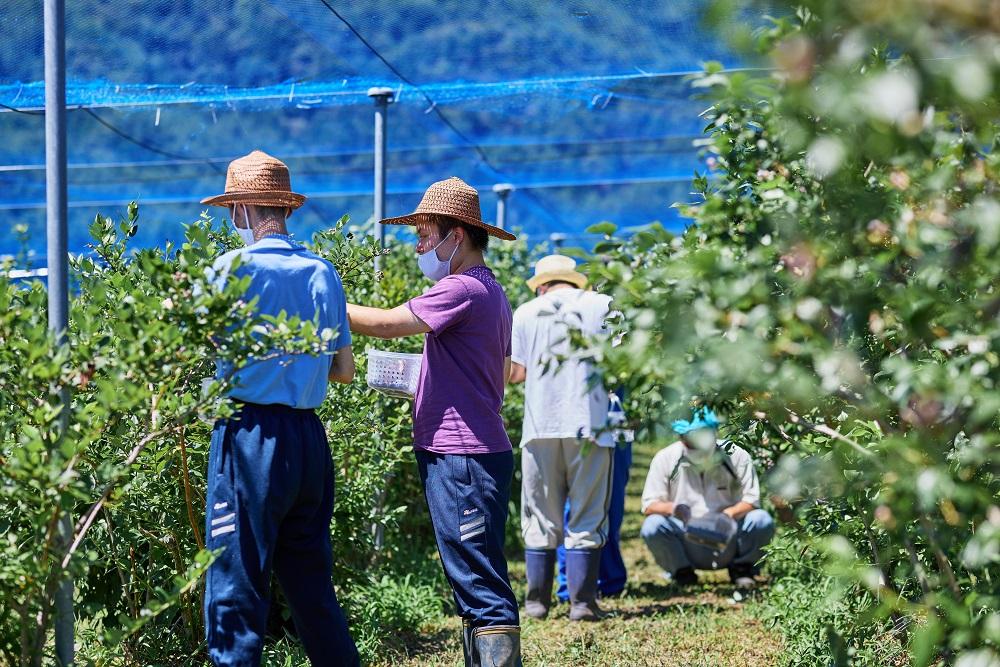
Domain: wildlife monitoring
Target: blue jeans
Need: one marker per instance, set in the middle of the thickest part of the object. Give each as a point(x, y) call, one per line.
point(664, 535)
point(270, 501)
point(468, 496)
point(613, 575)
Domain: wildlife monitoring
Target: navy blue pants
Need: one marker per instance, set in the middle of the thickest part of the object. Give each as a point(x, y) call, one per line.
point(468, 495)
point(612, 576)
point(270, 501)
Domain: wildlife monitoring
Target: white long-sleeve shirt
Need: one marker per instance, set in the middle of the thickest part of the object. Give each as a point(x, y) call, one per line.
point(673, 478)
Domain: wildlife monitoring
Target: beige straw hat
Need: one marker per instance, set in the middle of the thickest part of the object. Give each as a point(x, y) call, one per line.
point(257, 179)
point(553, 268)
point(455, 198)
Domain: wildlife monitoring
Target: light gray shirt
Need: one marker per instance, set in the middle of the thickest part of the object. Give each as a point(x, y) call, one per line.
point(673, 478)
point(561, 399)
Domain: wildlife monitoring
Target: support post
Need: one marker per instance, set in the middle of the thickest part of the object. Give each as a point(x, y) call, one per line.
point(503, 190)
point(58, 267)
point(382, 97)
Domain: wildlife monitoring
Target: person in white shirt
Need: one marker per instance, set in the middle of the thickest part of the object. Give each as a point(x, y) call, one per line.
point(567, 450)
point(699, 478)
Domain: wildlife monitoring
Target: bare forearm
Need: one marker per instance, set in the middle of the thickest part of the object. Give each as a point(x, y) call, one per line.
point(365, 320)
point(739, 510)
point(342, 367)
point(664, 507)
point(385, 323)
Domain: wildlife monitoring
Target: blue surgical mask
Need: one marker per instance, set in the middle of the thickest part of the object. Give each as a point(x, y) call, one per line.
point(433, 267)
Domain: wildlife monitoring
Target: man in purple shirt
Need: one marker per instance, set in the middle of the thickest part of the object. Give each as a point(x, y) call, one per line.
point(464, 455)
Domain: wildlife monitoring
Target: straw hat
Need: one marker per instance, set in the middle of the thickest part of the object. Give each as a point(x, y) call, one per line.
point(454, 198)
point(556, 267)
point(257, 179)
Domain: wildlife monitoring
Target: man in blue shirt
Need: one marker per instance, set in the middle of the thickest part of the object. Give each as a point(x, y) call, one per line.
point(270, 473)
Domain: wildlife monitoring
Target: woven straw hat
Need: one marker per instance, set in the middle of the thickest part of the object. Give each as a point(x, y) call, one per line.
point(455, 198)
point(257, 179)
point(556, 267)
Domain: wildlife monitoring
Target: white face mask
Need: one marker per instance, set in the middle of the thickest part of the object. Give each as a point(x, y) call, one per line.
point(245, 234)
point(700, 445)
point(433, 267)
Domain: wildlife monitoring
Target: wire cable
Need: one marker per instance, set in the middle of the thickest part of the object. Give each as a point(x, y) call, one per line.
point(120, 133)
point(434, 106)
point(405, 79)
point(22, 111)
point(148, 146)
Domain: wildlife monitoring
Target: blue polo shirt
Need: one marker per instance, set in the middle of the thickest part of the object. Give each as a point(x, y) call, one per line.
point(284, 276)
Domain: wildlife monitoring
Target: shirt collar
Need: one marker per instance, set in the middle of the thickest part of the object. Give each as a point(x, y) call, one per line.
point(287, 238)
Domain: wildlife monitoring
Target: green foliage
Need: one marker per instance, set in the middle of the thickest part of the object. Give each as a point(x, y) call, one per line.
point(392, 605)
point(836, 296)
point(146, 327)
point(819, 613)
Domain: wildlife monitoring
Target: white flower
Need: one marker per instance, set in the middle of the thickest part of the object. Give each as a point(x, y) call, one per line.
point(807, 309)
point(892, 96)
point(824, 156)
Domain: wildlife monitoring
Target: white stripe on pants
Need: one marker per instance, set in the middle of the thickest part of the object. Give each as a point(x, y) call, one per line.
point(553, 469)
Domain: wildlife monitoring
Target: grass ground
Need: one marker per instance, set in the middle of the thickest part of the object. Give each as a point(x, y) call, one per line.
point(652, 624)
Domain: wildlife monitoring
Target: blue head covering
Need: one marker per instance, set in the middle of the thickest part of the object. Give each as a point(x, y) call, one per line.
point(703, 417)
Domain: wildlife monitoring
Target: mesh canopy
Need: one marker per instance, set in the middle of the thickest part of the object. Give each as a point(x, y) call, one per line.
point(583, 106)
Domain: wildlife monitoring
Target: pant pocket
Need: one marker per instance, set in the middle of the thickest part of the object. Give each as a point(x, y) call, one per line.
point(472, 511)
point(221, 511)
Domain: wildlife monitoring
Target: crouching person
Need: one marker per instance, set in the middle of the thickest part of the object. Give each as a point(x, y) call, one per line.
point(463, 453)
point(702, 506)
point(270, 473)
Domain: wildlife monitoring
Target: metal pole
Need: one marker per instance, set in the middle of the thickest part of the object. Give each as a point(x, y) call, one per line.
point(503, 190)
point(58, 284)
point(382, 98)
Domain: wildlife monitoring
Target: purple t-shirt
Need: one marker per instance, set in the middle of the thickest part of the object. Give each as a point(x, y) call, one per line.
point(457, 406)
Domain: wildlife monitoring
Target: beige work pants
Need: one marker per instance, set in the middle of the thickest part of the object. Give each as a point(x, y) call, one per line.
point(552, 470)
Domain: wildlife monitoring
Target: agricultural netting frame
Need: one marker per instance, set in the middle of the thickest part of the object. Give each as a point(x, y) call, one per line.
point(585, 107)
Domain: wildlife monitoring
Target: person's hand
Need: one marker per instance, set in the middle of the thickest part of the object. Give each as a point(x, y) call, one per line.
point(682, 512)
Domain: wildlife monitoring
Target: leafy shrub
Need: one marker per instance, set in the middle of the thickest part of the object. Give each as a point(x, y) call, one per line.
point(145, 328)
point(836, 296)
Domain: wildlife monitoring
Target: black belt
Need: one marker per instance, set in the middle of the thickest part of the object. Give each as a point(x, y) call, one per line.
point(276, 408)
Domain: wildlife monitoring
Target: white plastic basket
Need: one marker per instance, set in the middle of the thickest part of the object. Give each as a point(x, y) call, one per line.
point(393, 373)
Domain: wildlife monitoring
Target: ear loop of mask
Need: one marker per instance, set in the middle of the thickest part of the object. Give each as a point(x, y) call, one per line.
point(246, 218)
point(247, 234)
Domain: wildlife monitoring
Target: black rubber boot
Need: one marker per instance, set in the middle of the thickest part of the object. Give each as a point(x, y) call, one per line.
point(497, 646)
point(685, 576)
point(468, 646)
point(582, 567)
point(539, 566)
point(741, 574)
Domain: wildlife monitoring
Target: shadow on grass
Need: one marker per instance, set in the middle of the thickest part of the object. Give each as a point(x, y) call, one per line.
point(416, 644)
point(655, 598)
point(671, 608)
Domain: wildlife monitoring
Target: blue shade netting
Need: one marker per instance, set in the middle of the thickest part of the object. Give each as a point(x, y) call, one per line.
point(584, 107)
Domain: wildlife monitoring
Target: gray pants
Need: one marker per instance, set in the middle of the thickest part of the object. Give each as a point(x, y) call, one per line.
point(552, 470)
point(664, 535)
